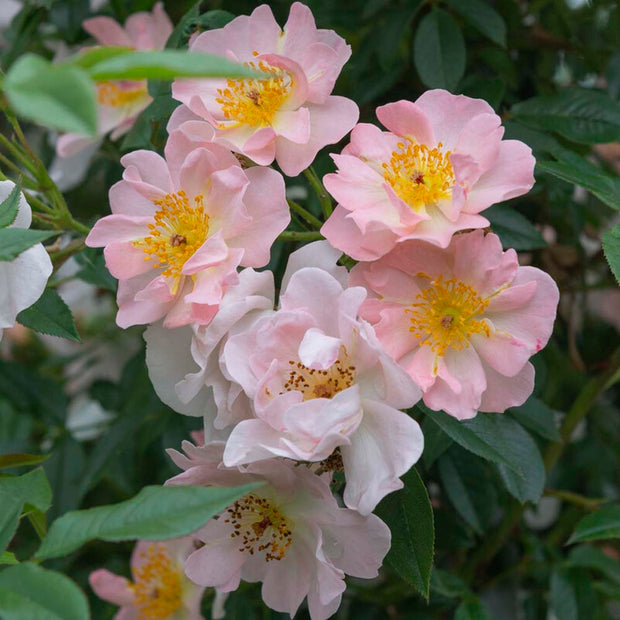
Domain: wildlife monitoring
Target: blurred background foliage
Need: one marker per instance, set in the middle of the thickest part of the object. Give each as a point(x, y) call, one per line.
point(92, 408)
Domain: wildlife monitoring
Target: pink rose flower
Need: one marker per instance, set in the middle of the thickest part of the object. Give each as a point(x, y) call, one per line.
point(159, 588)
point(119, 102)
point(183, 363)
point(290, 534)
point(181, 226)
point(289, 116)
point(320, 387)
point(441, 163)
point(463, 321)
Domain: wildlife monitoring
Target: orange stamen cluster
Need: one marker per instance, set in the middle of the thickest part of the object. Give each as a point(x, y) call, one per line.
point(110, 94)
point(158, 585)
point(260, 527)
point(255, 102)
point(317, 383)
point(419, 175)
point(179, 230)
point(445, 316)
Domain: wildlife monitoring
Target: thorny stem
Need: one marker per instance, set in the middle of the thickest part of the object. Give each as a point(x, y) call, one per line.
point(321, 192)
point(584, 401)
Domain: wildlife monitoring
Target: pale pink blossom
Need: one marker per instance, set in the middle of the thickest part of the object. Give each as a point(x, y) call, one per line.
point(159, 588)
point(181, 226)
point(290, 534)
point(289, 116)
point(441, 163)
point(23, 279)
point(320, 387)
point(119, 102)
point(183, 363)
point(463, 321)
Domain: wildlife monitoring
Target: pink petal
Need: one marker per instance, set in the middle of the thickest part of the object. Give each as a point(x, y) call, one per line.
point(107, 31)
point(117, 228)
point(294, 125)
point(111, 587)
point(505, 392)
point(406, 119)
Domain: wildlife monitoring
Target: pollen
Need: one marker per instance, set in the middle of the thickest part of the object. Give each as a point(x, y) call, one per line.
point(178, 230)
point(319, 383)
point(110, 94)
point(447, 315)
point(260, 527)
point(158, 585)
point(255, 102)
point(419, 175)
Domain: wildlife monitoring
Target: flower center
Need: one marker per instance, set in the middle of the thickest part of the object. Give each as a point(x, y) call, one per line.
point(317, 383)
point(110, 94)
point(158, 585)
point(260, 527)
point(178, 231)
point(420, 175)
point(445, 316)
point(255, 102)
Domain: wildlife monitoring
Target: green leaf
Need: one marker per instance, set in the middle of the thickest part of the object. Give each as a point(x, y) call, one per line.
point(15, 491)
point(9, 207)
point(467, 482)
point(563, 596)
point(6, 557)
point(529, 486)
point(155, 513)
point(93, 269)
point(89, 57)
point(611, 248)
point(599, 525)
point(514, 230)
point(537, 417)
point(471, 609)
point(481, 436)
point(484, 18)
point(579, 114)
point(588, 556)
point(14, 241)
point(436, 442)
point(58, 96)
point(168, 64)
point(19, 460)
point(193, 22)
point(580, 172)
point(409, 515)
point(40, 593)
point(50, 315)
point(439, 50)
point(613, 75)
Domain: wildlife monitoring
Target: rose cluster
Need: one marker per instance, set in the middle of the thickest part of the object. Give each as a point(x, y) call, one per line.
point(304, 385)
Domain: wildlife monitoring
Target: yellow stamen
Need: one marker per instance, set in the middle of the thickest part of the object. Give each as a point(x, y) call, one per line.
point(260, 527)
point(317, 383)
point(419, 175)
point(445, 316)
point(158, 585)
point(108, 93)
point(179, 230)
point(255, 102)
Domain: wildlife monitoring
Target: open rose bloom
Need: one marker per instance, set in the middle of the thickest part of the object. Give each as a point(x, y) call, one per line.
point(159, 588)
point(119, 102)
point(22, 280)
point(181, 226)
point(290, 534)
point(463, 321)
point(441, 163)
point(288, 116)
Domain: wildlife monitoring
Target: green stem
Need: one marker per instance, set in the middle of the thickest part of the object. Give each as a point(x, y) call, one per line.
point(321, 192)
point(16, 152)
point(293, 235)
point(589, 503)
point(306, 215)
point(38, 204)
point(75, 246)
